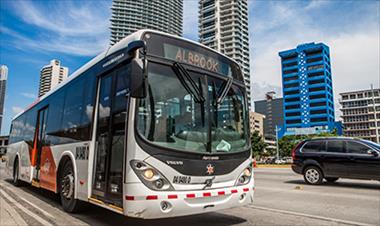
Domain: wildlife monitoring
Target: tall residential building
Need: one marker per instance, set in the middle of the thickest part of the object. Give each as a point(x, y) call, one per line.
point(129, 16)
point(256, 121)
point(307, 89)
point(51, 75)
point(360, 118)
point(223, 26)
point(272, 108)
point(3, 86)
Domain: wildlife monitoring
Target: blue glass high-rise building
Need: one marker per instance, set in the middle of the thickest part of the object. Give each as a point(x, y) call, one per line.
point(307, 90)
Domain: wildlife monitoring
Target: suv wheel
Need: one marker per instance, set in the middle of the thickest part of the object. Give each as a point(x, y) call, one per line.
point(331, 179)
point(313, 175)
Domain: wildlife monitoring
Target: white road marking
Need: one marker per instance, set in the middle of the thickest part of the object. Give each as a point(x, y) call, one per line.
point(15, 217)
point(30, 203)
point(309, 216)
point(25, 210)
point(41, 210)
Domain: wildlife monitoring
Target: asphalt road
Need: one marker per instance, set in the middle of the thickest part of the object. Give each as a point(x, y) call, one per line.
point(281, 198)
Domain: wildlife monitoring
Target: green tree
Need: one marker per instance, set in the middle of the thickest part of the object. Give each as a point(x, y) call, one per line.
point(287, 143)
point(258, 144)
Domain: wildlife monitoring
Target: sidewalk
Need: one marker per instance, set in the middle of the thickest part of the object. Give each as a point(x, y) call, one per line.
point(274, 166)
point(8, 215)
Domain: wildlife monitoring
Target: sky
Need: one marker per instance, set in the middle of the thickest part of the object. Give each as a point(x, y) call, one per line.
point(34, 32)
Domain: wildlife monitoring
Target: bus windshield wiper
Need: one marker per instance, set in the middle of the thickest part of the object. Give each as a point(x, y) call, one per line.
point(224, 90)
point(187, 82)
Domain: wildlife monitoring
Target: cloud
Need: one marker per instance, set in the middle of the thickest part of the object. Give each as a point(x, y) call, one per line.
point(29, 95)
point(63, 27)
point(350, 29)
point(17, 110)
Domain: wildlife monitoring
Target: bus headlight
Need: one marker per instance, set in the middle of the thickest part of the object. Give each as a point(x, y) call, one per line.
point(151, 177)
point(148, 174)
point(244, 177)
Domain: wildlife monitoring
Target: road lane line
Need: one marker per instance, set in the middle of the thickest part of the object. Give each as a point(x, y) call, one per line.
point(309, 216)
point(25, 210)
point(30, 203)
point(16, 218)
point(41, 210)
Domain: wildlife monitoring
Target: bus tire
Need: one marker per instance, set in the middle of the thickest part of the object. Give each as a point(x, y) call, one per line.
point(16, 173)
point(66, 183)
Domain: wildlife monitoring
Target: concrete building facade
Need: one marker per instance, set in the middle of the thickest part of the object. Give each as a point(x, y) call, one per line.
point(256, 122)
point(272, 108)
point(3, 87)
point(129, 16)
point(361, 114)
point(223, 26)
point(51, 75)
point(307, 90)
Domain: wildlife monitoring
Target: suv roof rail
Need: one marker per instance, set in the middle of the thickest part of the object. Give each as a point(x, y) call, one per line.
point(330, 138)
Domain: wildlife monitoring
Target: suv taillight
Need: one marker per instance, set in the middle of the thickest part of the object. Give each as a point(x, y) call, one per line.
point(295, 149)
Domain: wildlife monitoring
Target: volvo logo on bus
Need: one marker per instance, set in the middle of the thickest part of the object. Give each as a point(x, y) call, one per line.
point(210, 169)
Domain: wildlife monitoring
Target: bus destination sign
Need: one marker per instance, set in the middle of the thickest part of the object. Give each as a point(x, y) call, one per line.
point(197, 59)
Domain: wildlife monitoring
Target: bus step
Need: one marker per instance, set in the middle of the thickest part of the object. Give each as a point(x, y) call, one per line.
point(36, 183)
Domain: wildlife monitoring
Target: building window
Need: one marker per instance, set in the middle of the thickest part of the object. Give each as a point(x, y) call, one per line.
point(316, 67)
point(293, 121)
point(291, 114)
point(295, 106)
point(317, 104)
point(291, 85)
point(312, 97)
point(320, 119)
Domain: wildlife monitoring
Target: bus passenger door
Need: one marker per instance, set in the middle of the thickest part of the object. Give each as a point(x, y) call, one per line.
point(110, 137)
point(39, 140)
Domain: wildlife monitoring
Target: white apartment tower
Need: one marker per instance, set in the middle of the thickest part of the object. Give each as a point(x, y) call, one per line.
point(51, 75)
point(3, 85)
point(129, 16)
point(223, 26)
point(361, 114)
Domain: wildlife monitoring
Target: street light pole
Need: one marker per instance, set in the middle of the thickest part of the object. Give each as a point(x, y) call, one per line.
point(278, 151)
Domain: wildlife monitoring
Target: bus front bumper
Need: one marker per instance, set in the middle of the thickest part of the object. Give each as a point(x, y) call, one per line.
point(174, 204)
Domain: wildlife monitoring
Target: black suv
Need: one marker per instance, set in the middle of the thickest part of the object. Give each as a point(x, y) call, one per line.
point(332, 158)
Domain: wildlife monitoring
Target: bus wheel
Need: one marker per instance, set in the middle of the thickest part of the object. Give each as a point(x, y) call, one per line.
point(16, 174)
point(67, 188)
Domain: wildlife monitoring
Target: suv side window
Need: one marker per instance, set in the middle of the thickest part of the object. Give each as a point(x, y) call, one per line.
point(356, 147)
point(313, 146)
point(336, 146)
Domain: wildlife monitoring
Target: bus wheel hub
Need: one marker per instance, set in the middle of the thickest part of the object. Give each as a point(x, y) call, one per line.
point(68, 186)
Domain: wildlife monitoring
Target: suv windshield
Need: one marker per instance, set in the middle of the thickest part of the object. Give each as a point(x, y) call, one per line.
point(171, 117)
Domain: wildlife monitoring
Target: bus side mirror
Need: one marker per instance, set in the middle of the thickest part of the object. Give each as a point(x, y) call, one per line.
point(138, 72)
point(137, 81)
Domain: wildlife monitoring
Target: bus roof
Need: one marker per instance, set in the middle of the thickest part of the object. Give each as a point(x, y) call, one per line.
point(112, 49)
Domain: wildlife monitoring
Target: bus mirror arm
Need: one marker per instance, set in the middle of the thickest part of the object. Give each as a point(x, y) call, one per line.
point(138, 73)
point(138, 79)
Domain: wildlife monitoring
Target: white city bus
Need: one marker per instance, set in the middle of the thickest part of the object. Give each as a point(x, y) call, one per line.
point(154, 127)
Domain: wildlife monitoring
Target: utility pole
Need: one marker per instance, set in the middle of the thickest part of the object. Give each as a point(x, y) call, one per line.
point(375, 114)
point(278, 151)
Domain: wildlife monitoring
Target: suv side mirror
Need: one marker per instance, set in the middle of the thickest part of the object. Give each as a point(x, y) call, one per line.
point(373, 153)
point(137, 71)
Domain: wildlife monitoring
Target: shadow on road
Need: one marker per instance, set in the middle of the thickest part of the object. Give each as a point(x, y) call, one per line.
point(94, 215)
point(99, 216)
point(348, 184)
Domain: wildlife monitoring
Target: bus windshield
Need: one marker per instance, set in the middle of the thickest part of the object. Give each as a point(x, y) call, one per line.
point(172, 117)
